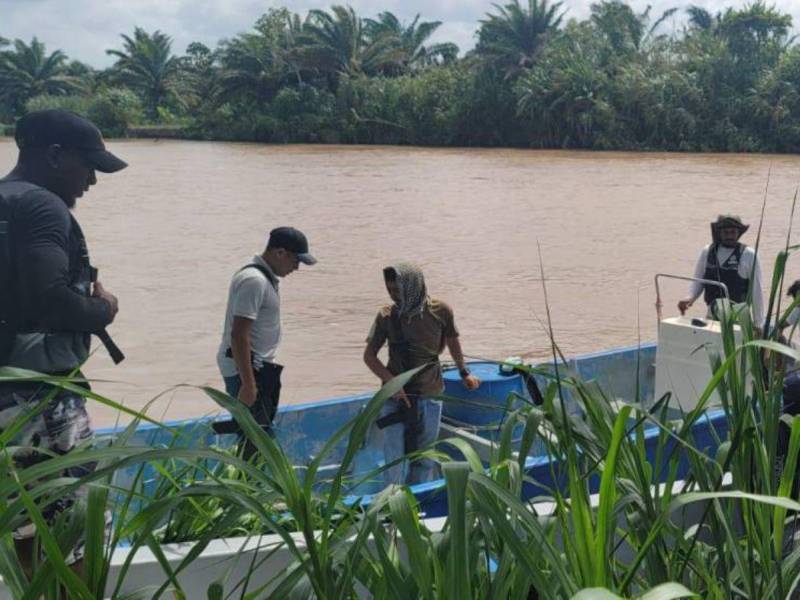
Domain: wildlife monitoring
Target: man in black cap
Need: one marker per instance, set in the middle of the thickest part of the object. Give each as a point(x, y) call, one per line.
point(252, 330)
point(730, 262)
point(50, 301)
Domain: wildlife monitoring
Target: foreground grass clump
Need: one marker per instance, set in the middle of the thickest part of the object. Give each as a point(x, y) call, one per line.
point(620, 514)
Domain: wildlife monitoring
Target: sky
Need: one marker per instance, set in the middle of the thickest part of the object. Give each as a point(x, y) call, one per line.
point(84, 29)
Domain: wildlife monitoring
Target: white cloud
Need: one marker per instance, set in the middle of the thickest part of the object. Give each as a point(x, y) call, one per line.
point(84, 29)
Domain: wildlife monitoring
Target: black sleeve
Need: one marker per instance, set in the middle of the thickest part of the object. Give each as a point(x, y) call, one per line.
point(42, 232)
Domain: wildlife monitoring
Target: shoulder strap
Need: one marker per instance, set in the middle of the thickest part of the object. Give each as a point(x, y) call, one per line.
point(397, 326)
point(711, 257)
point(270, 276)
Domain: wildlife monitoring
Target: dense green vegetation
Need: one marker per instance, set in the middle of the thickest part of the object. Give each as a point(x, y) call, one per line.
point(630, 540)
point(536, 78)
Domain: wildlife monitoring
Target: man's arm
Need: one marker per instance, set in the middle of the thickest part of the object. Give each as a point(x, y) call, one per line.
point(695, 288)
point(240, 348)
point(44, 274)
point(375, 342)
point(379, 369)
point(375, 364)
point(247, 299)
point(471, 382)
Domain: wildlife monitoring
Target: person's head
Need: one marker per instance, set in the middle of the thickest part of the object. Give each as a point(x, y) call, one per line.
point(61, 151)
point(405, 285)
point(287, 247)
point(727, 230)
point(392, 285)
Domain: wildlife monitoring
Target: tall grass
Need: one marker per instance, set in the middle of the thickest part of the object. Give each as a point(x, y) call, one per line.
point(622, 512)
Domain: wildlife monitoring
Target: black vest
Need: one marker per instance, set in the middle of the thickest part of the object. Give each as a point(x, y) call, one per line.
point(727, 273)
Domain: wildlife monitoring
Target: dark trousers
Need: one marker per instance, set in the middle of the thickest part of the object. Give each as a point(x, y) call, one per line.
point(268, 384)
point(791, 406)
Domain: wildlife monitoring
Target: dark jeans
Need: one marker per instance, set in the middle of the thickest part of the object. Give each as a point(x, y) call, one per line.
point(791, 394)
point(791, 406)
point(268, 382)
point(233, 385)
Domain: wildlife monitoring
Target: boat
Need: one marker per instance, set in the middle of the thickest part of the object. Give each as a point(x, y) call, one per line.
point(636, 375)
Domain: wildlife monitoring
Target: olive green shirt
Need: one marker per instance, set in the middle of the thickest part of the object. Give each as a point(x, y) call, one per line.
point(420, 341)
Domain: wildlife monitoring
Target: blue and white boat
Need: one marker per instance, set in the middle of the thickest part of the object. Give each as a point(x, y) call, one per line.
point(633, 375)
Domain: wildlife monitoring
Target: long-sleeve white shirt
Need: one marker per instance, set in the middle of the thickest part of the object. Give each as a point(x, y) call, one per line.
point(746, 262)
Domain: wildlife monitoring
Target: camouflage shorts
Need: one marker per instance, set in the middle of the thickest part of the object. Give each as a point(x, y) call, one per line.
point(60, 427)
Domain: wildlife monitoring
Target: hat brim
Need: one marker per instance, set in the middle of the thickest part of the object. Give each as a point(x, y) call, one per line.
point(731, 225)
point(306, 259)
point(104, 161)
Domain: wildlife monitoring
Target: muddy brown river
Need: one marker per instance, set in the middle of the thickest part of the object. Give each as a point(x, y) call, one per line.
point(168, 232)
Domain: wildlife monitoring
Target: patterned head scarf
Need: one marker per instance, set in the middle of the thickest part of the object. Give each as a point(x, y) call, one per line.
point(413, 293)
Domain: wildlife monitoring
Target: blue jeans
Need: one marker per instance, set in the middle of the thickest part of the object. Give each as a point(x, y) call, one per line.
point(232, 385)
point(391, 439)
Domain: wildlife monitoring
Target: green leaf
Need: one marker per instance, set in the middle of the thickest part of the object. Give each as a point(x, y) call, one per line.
point(459, 579)
point(605, 512)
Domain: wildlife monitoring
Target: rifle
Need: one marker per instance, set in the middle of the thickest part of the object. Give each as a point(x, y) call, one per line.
point(409, 416)
point(113, 350)
point(268, 385)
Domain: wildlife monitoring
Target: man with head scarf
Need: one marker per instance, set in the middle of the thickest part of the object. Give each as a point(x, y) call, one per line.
point(417, 329)
point(728, 261)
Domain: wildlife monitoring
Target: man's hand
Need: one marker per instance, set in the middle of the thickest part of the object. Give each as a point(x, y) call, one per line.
point(100, 292)
point(684, 305)
point(471, 382)
point(248, 394)
point(402, 397)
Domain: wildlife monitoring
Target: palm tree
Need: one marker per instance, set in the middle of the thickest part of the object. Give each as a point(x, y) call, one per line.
point(256, 65)
point(411, 40)
point(626, 31)
point(250, 70)
point(27, 71)
point(513, 38)
point(337, 43)
point(147, 66)
point(701, 19)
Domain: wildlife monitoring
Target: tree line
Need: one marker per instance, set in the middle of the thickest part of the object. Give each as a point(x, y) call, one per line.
point(619, 79)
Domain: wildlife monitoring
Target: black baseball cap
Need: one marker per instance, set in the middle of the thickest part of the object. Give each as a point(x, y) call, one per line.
point(43, 128)
point(293, 240)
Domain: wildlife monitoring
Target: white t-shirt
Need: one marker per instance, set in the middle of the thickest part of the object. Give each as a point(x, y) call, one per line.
point(745, 269)
point(252, 296)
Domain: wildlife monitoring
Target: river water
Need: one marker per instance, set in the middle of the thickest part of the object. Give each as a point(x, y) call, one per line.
point(168, 232)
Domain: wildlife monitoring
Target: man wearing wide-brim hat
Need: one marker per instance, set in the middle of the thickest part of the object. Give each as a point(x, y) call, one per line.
point(728, 261)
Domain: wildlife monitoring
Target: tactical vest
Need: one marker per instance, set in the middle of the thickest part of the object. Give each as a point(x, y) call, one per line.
point(727, 273)
point(28, 342)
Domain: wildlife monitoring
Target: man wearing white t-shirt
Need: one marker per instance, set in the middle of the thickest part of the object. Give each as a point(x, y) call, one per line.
point(730, 262)
point(252, 331)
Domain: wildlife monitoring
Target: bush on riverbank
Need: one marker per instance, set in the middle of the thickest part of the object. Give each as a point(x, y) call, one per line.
point(618, 79)
point(113, 110)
